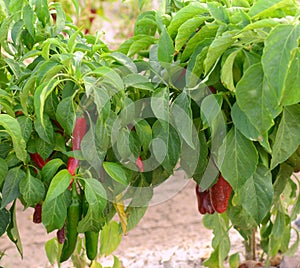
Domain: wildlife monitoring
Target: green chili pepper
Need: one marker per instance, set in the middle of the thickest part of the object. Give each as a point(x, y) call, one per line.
point(91, 244)
point(73, 217)
point(91, 238)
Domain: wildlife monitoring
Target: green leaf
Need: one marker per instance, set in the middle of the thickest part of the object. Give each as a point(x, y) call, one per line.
point(242, 123)
point(65, 114)
point(4, 220)
point(144, 132)
point(124, 60)
point(276, 236)
point(264, 23)
point(138, 81)
point(181, 113)
point(252, 99)
point(108, 76)
point(45, 131)
point(134, 215)
point(287, 137)
point(220, 242)
point(218, 12)
point(116, 172)
point(205, 35)
point(95, 193)
point(160, 103)
point(26, 126)
point(58, 185)
point(165, 47)
point(110, 238)
point(291, 92)
point(277, 54)
point(3, 171)
point(234, 260)
point(42, 11)
point(51, 248)
point(237, 159)
point(227, 70)
point(29, 19)
point(43, 148)
point(263, 8)
point(166, 145)
point(50, 169)
point(32, 190)
point(257, 193)
point(10, 189)
point(186, 30)
point(12, 229)
point(217, 48)
point(12, 127)
point(96, 198)
point(194, 161)
point(89, 150)
point(54, 212)
point(184, 14)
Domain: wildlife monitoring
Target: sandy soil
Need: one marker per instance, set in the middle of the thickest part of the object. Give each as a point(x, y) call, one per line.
point(170, 235)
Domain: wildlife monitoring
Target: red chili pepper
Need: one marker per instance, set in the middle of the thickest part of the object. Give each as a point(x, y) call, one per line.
point(78, 133)
point(139, 164)
point(72, 165)
point(38, 160)
point(37, 215)
point(220, 194)
point(203, 200)
point(77, 136)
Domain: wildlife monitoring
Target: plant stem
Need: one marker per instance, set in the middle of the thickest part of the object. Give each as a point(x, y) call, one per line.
point(250, 246)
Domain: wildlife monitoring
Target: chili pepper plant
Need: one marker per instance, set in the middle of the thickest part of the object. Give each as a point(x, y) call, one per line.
point(87, 133)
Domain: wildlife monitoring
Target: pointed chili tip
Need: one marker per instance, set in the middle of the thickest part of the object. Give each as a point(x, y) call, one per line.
point(139, 164)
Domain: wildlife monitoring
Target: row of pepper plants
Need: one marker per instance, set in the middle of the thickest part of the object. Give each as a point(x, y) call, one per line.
point(87, 133)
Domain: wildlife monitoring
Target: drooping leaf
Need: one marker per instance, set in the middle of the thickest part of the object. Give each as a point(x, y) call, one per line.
point(65, 114)
point(110, 238)
point(10, 189)
point(181, 113)
point(12, 229)
point(277, 54)
point(291, 92)
point(252, 99)
point(12, 127)
point(4, 220)
point(257, 193)
point(216, 50)
point(165, 47)
point(237, 159)
point(54, 212)
point(287, 137)
point(32, 190)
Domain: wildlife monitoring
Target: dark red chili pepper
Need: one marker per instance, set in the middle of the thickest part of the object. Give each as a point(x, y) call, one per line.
point(203, 200)
point(60, 234)
point(212, 89)
point(38, 160)
point(139, 164)
point(220, 194)
point(37, 215)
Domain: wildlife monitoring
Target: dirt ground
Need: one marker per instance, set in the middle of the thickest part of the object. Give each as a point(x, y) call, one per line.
point(170, 235)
